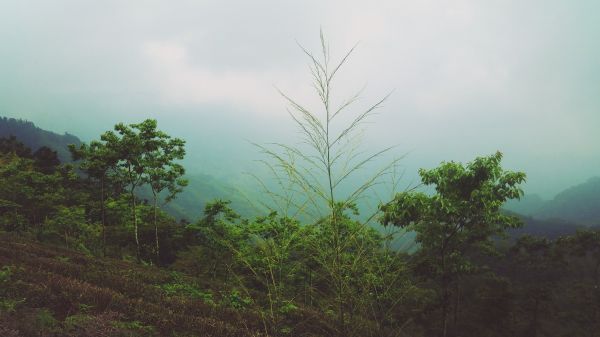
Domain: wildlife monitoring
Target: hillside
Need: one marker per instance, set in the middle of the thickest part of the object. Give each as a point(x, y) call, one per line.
point(528, 205)
point(34, 137)
point(579, 204)
point(51, 291)
point(203, 188)
point(544, 228)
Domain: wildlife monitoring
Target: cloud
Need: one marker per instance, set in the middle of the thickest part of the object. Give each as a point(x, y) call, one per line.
point(469, 76)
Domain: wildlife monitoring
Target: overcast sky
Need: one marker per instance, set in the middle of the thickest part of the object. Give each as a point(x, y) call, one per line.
point(468, 77)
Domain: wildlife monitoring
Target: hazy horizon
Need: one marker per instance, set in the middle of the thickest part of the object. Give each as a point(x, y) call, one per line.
point(468, 77)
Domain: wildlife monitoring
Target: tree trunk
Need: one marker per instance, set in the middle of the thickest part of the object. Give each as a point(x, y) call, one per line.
point(445, 312)
point(156, 229)
point(535, 318)
point(445, 295)
point(135, 227)
point(456, 305)
point(103, 215)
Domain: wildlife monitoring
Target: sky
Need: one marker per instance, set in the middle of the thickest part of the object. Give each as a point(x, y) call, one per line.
point(467, 78)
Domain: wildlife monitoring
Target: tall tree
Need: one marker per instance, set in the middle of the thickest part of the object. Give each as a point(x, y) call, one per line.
point(460, 218)
point(146, 155)
point(162, 172)
point(129, 149)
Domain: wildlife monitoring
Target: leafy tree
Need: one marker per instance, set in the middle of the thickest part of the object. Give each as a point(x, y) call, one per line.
point(216, 239)
point(46, 160)
point(271, 251)
point(143, 155)
point(459, 219)
point(536, 266)
point(97, 161)
point(579, 299)
point(12, 145)
point(72, 224)
point(33, 194)
point(129, 150)
point(162, 172)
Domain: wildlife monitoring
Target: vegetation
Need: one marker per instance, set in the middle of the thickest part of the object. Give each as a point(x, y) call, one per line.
point(87, 248)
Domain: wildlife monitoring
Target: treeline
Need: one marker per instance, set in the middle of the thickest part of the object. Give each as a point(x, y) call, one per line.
point(463, 280)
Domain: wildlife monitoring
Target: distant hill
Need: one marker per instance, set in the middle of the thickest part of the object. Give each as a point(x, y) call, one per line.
point(579, 205)
point(529, 205)
point(547, 228)
point(203, 188)
point(34, 137)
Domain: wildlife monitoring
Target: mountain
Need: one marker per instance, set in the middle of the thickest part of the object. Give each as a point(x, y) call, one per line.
point(528, 205)
point(203, 188)
point(34, 137)
point(579, 205)
point(547, 228)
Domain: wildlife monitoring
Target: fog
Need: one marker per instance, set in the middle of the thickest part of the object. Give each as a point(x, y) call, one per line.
point(467, 77)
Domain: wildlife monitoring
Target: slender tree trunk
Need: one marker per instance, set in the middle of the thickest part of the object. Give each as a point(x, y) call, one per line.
point(103, 215)
point(445, 312)
point(535, 318)
point(310, 288)
point(445, 288)
point(456, 305)
point(135, 226)
point(156, 228)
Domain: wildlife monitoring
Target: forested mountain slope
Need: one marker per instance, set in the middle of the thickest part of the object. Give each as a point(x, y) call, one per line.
point(34, 137)
point(579, 204)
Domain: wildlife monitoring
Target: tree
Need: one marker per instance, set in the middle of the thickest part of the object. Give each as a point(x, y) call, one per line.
point(73, 226)
point(162, 172)
point(145, 155)
point(214, 234)
point(98, 159)
point(12, 145)
point(537, 266)
point(459, 219)
point(46, 160)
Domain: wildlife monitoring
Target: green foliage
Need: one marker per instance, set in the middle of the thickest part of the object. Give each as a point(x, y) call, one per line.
point(456, 222)
point(182, 288)
point(71, 223)
point(235, 299)
point(5, 274)
point(137, 326)
point(34, 138)
point(9, 305)
point(74, 322)
point(45, 320)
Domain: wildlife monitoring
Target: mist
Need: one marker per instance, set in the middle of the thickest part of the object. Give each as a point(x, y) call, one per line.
point(467, 77)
